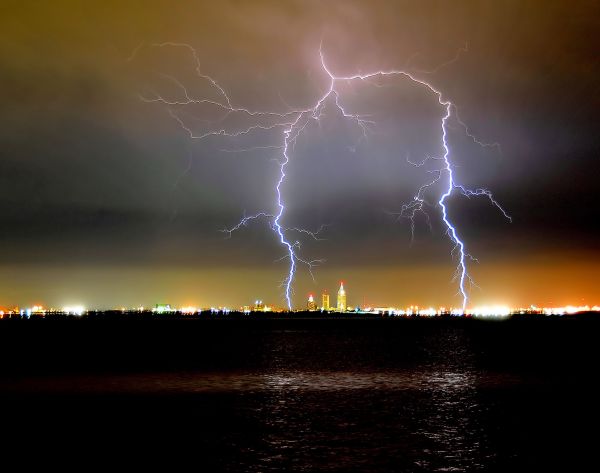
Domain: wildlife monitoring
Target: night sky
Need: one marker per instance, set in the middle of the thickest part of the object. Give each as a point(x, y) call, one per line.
point(105, 200)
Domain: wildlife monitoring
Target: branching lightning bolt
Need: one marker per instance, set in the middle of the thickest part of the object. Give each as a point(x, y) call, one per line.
point(294, 122)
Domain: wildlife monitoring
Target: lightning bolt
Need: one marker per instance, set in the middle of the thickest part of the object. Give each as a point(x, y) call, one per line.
point(293, 123)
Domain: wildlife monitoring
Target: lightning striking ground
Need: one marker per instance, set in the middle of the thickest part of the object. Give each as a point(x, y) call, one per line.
point(293, 123)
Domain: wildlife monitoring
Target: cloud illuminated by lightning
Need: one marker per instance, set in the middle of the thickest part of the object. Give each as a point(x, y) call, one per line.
point(293, 123)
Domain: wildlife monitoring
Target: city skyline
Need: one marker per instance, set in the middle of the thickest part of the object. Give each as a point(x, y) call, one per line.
point(364, 305)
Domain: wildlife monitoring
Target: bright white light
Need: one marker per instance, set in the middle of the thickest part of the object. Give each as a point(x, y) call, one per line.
point(188, 310)
point(427, 312)
point(487, 311)
point(570, 309)
point(74, 310)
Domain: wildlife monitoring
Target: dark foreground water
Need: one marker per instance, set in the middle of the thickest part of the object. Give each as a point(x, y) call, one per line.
point(301, 395)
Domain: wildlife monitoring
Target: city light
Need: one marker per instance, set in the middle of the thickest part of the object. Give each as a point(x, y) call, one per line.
point(569, 309)
point(341, 307)
point(74, 310)
point(487, 311)
point(188, 310)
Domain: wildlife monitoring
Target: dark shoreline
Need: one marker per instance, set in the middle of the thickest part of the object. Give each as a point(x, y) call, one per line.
point(130, 342)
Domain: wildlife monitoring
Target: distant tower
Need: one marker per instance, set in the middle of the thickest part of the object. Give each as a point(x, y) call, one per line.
point(341, 298)
point(259, 306)
point(325, 299)
point(311, 305)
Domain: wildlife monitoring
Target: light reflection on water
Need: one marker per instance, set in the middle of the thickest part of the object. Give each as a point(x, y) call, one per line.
point(432, 410)
point(439, 383)
point(411, 400)
point(433, 413)
point(444, 404)
point(452, 423)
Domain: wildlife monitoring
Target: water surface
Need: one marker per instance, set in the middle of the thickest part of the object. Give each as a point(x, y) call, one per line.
point(303, 395)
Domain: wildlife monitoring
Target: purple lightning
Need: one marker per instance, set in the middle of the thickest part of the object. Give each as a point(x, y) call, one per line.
point(292, 125)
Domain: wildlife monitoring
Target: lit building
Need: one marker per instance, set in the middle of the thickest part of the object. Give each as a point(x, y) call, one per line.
point(311, 305)
point(341, 298)
point(325, 300)
point(259, 306)
point(158, 308)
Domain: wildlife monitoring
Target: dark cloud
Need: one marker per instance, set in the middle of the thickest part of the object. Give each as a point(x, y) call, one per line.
point(93, 178)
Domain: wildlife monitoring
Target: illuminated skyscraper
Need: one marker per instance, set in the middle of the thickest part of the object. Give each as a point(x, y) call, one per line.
point(259, 306)
point(311, 305)
point(325, 299)
point(341, 298)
